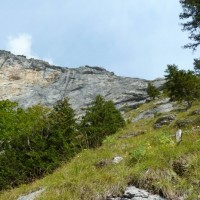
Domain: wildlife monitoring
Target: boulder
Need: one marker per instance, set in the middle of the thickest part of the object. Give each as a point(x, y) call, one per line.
point(134, 193)
point(160, 107)
point(117, 159)
point(165, 120)
point(184, 123)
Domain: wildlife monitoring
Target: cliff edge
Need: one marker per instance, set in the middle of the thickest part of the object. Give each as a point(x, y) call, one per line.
point(31, 81)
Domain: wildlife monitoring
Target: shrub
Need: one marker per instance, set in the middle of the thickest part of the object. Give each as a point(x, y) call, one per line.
point(152, 91)
point(35, 143)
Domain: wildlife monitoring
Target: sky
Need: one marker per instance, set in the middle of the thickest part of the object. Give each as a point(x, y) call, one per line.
point(133, 38)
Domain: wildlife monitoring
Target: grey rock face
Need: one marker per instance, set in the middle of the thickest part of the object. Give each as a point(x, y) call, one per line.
point(133, 134)
point(117, 159)
point(163, 106)
point(30, 81)
point(196, 112)
point(134, 193)
point(184, 123)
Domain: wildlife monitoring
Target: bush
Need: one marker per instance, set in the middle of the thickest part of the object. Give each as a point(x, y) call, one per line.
point(37, 140)
point(35, 143)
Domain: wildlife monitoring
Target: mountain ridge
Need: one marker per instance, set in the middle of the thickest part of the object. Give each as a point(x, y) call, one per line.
point(32, 81)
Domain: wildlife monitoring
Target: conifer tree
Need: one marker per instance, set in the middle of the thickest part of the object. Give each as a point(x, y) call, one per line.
point(191, 13)
point(63, 126)
point(197, 66)
point(101, 119)
point(182, 85)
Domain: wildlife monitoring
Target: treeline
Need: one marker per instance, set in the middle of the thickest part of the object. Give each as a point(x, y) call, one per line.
point(36, 140)
point(184, 85)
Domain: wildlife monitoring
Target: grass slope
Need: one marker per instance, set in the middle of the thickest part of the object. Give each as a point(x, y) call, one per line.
point(151, 160)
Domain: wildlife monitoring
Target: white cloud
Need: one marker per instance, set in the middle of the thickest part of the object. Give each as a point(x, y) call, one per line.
point(22, 45)
point(49, 60)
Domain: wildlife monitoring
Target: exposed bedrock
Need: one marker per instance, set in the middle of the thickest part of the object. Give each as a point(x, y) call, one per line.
point(31, 81)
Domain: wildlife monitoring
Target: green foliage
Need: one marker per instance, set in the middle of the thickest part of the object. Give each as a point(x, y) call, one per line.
point(101, 119)
point(197, 66)
point(152, 91)
point(182, 85)
point(25, 148)
point(63, 116)
point(38, 139)
point(158, 170)
point(138, 153)
point(63, 127)
point(8, 120)
point(191, 13)
point(164, 140)
point(34, 141)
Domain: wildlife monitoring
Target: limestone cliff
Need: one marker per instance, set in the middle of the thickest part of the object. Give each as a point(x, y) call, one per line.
point(31, 81)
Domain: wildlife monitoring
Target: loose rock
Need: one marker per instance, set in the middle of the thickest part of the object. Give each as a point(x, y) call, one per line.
point(165, 120)
point(196, 112)
point(163, 106)
point(134, 193)
point(117, 159)
point(32, 195)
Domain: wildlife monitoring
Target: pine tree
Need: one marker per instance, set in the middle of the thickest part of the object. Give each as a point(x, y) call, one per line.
point(191, 13)
point(101, 119)
point(63, 126)
point(182, 85)
point(197, 66)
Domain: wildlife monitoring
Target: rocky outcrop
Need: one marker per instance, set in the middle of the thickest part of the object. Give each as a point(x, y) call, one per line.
point(32, 195)
point(133, 193)
point(196, 112)
point(31, 81)
point(164, 120)
point(160, 107)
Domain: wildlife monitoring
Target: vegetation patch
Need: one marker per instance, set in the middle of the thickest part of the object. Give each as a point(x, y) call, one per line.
point(152, 161)
point(38, 139)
